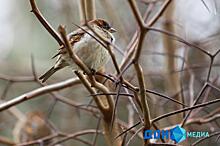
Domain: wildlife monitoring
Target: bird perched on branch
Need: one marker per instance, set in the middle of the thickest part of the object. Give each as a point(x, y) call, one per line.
point(92, 53)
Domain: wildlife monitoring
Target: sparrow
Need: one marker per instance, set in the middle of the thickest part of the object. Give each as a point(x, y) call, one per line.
point(91, 52)
point(33, 127)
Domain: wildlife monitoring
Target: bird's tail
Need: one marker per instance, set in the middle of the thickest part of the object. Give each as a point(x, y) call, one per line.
point(50, 72)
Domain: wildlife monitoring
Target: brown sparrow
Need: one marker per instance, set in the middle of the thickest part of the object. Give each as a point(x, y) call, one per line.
point(88, 49)
point(33, 127)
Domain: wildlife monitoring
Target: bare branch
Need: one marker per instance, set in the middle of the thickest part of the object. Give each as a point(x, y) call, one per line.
point(44, 22)
point(185, 109)
point(38, 92)
point(71, 136)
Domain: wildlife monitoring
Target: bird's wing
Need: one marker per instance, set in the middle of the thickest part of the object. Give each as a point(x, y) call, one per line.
point(73, 38)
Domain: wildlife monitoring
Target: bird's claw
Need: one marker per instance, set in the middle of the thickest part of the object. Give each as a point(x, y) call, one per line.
point(93, 71)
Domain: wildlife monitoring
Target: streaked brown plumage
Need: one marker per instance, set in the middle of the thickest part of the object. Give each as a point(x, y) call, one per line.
point(89, 50)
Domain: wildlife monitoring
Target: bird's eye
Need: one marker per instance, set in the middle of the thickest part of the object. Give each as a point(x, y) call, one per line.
point(106, 26)
point(112, 39)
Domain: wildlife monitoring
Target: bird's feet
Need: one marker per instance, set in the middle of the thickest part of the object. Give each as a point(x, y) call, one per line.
point(93, 71)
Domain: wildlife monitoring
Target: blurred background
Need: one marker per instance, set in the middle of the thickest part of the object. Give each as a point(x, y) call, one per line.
point(21, 35)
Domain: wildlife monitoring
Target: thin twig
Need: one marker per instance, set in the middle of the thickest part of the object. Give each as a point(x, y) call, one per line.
point(44, 22)
point(76, 134)
point(185, 109)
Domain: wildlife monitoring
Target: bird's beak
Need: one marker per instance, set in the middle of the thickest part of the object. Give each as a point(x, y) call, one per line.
point(112, 30)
